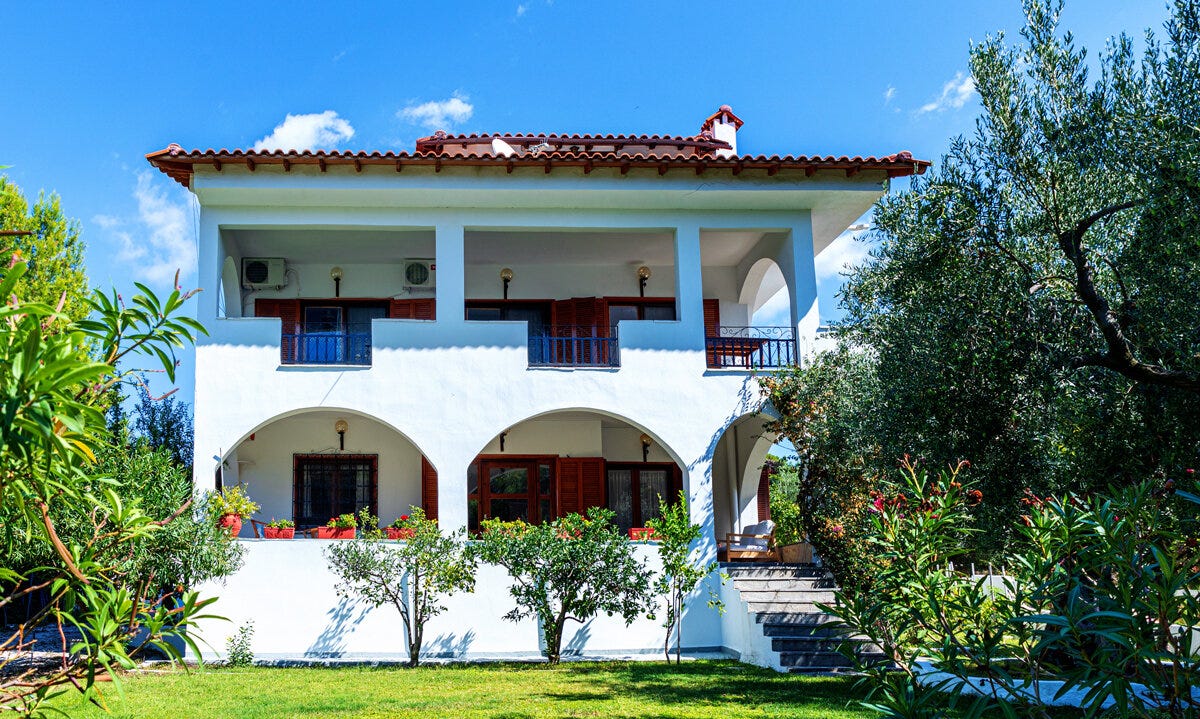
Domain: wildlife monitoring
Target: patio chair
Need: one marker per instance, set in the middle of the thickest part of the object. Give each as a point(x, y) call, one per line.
point(756, 544)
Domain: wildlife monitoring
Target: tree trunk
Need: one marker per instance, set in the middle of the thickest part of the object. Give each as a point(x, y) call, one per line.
point(553, 635)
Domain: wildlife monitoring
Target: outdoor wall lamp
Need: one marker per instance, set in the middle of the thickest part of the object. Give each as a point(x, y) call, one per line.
point(502, 436)
point(336, 274)
point(506, 276)
point(646, 442)
point(340, 427)
point(643, 274)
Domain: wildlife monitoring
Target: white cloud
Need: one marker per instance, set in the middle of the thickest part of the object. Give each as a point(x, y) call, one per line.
point(521, 10)
point(439, 114)
point(314, 131)
point(888, 94)
point(955, 93)
point(161, 239)
point(845, 251)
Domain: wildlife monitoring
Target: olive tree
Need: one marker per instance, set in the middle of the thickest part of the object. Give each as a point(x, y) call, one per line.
point(413, 575)
point(571, 568)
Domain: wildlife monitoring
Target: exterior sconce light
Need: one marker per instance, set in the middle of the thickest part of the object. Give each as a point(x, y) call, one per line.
point(506, 276)
point(643, 274)
point(336, 274)
point(340, 427)
point(502, 436)
point(646, 442)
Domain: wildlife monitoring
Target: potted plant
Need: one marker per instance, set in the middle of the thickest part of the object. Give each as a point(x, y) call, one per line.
point(279, 529)
point(340, 527)
point(230, 506)
point(642, 534)
point(402, 528)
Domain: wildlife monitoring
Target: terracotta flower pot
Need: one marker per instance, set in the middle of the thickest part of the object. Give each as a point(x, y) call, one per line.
point(279, 532)
point(336, 532)
point(400, 532)
point(642, 534)
point(232, 522)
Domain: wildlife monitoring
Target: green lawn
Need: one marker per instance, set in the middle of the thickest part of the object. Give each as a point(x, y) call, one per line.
point(637, 690)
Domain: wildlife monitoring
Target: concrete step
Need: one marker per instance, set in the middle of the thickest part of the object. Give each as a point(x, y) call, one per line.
point(827, 660)
point(787, 596)
point(807, 584)
point(819, 670)
point(776, 571)
point(816, 631)
point(782, 607)
point(815, 618)
point(821, 644)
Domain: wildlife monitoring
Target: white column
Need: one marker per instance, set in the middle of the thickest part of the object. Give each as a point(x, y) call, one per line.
point(798, 263)
point(699, 481)
point(450, 256)
point(689, 288)
point(452, 490)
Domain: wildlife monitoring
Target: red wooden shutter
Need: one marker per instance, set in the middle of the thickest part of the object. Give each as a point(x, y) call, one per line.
point(288, 312)
point(423, 310)
point(764, 494)
point(400, 310)
point(712, 328)
point(562, 320)
point(429, 489)
point(591, 482)
point(568, 476)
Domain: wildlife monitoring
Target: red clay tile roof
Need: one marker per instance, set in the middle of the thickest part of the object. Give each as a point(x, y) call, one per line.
point(178, 163)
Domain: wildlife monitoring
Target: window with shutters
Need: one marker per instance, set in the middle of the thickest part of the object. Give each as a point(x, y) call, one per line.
point(636, 491)
point(325, 486)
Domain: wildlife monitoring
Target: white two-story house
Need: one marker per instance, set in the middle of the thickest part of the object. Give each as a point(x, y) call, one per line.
point(496, 326)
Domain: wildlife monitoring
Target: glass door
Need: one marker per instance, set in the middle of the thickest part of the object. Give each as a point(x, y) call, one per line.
point(324, 333)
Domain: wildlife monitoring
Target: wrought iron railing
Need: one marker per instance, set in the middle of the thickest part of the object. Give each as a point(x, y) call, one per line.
point(573, 346)
point(336, 348)
point(751, 347)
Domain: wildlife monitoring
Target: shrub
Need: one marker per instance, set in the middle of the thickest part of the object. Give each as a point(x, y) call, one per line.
point(238, 652)
point(680, 573)
point(412, 576)
point(571, 568)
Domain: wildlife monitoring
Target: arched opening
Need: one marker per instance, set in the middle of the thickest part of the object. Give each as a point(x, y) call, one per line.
point(311, 465)
point(231, 298)
point(567, 461)
point(766, 294)
point(739, 499)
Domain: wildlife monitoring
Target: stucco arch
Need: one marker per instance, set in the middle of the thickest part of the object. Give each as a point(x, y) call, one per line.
point(231, 297)
point(764, 278)
point(738, 457)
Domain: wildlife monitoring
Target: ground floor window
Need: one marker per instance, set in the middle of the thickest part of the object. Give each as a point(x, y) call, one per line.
point(327, 485)
point(636, 491)
point(510, 488)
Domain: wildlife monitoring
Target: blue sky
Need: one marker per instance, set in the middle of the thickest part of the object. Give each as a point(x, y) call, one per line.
point(88, 89)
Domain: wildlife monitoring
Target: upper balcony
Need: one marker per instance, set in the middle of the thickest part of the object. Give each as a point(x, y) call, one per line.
point(574, 298)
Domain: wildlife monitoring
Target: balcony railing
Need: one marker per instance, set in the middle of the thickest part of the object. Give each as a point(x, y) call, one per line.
point(573, 346)
point(751, 347)
point(329, 348)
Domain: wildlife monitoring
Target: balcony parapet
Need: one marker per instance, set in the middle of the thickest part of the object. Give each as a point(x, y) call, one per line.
point(751, 347)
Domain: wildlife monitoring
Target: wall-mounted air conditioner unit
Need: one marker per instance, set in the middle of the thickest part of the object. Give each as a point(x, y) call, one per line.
point(420, 274)
point(263, 272)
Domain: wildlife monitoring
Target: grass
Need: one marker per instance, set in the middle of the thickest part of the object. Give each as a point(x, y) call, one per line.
point(636, 690)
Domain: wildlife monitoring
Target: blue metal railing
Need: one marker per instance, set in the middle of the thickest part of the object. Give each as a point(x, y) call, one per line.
point(751, 347)
point(571, 346)
point(336, 348)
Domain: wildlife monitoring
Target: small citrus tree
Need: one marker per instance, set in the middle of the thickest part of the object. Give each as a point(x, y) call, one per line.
point(680, 572)
point(412, 576)
point(571, 568)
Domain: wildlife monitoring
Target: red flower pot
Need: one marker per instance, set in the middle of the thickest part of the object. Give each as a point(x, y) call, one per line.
point(642, 534)
point(279, 532)
point(400, 532)
point(335, 532)
point(232, 522)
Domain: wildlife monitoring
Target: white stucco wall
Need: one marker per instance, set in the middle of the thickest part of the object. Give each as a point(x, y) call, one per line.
point(286, 589)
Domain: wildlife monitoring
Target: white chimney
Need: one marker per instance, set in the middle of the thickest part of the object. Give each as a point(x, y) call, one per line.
point(723, 125)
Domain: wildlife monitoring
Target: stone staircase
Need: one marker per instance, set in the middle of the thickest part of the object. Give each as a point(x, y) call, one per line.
point(782, 599)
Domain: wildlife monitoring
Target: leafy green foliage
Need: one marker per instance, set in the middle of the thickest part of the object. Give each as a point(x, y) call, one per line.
point(821, 414)
point(680, 574)
point(51, 428)
point(164, 422)
point(53, 251)
point(571, 568)
point(412, 576)
point(234, 500)
point(238, 646)
point(1101, 593)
